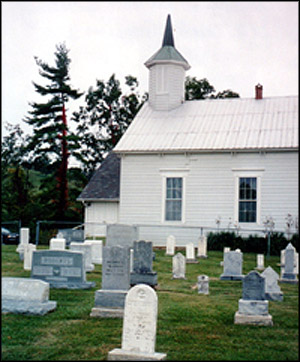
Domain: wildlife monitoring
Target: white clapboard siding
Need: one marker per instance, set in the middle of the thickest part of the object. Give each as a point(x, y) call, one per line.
point(210, 188)
point(100, 213)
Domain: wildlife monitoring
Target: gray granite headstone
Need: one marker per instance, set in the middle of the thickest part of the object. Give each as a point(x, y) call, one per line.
point(254, 286)
point(178, 266)
point(62, 269)
point(253, 306)
point(233, 264)
point(139, 327)
point(142, 264)
point(203, 284)
point(272, 288)
point(110, 299)
point(25, 296)
point(119, 234)
point(288, 274)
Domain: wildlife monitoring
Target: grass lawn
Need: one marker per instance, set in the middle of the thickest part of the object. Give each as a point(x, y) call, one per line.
point(190, 326)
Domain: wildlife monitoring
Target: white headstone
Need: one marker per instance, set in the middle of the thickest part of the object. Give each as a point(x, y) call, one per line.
point(57, 244)
point(190, 253)
point(202, 247)
point(28, 249)
point(178, 266)
point(96, 250)
point(260, 262)
point(170, 247)
point(272, 288)
point(225, 250)
point(24, 240)
point(139, 326)
point(87, 251)
point(288, 274)
point(25, 296)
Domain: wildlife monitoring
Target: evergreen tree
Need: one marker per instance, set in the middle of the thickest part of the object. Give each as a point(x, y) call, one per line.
point(51, 136)
point(105, 118)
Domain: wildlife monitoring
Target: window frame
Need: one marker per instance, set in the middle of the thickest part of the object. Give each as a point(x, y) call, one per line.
point(248, 173)
point(179, 173)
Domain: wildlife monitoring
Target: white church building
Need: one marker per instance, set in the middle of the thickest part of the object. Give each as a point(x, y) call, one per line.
point(184, 164)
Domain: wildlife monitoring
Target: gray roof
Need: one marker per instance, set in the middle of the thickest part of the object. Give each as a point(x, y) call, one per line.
point(215, 125)
point(105, 183)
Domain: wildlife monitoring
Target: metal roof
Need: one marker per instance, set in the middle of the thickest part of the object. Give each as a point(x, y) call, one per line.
point(215, 125)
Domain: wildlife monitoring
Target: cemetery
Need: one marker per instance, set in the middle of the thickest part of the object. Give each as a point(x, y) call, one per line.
point(191, 313)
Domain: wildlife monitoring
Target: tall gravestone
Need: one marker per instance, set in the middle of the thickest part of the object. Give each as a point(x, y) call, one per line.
point(202, 247)
point(260, 262)
point(24, 240)
point(190, 253)
point(110, 299)
point(170, 246)
point(139, 327)
point(253, 306)
point(25, 296)
point(178, 266)
point(272, 288)
point(62, 269)
point(120, 234)
point(233, 264)
point(28, 250)
point(288, 274)
point(142, 264)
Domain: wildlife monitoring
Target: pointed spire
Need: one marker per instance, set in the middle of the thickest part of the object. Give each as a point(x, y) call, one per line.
point(168, 37)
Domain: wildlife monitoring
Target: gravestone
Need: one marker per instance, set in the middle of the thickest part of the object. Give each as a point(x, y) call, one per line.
point(272, 288)
point(87, 252)
point(96, 250)
point(119, 234)
point(178, 266)
point(62, 269)
point(25, 296)
point(24, 240)
point(170, 247)
point(139, 327)
point(253, 306)
point(142, 264)
point(28, 250)
point(233, 264)
point(203, 284)
point(225, 250)
point(202, 247)
point(282, 261)
point(260, 262)
point(288, 274)
point(190, 253)
point(57, 244)
point(110, 299)
point(71, 235)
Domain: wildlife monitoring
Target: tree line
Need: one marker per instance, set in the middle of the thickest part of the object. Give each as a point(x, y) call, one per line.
point(37, 182)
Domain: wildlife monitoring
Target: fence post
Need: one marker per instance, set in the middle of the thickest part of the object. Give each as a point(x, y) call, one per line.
point(37, 234)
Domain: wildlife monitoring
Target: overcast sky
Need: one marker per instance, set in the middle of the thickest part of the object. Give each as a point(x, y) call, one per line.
point(235, 45)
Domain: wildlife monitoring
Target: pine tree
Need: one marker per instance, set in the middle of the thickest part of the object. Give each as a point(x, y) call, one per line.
point(51, 136)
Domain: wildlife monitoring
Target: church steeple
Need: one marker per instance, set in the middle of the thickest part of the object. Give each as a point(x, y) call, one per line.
point(168, 37)
point(167, 73)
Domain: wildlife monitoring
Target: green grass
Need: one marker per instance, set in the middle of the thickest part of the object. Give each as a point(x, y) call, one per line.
point(190, 326)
